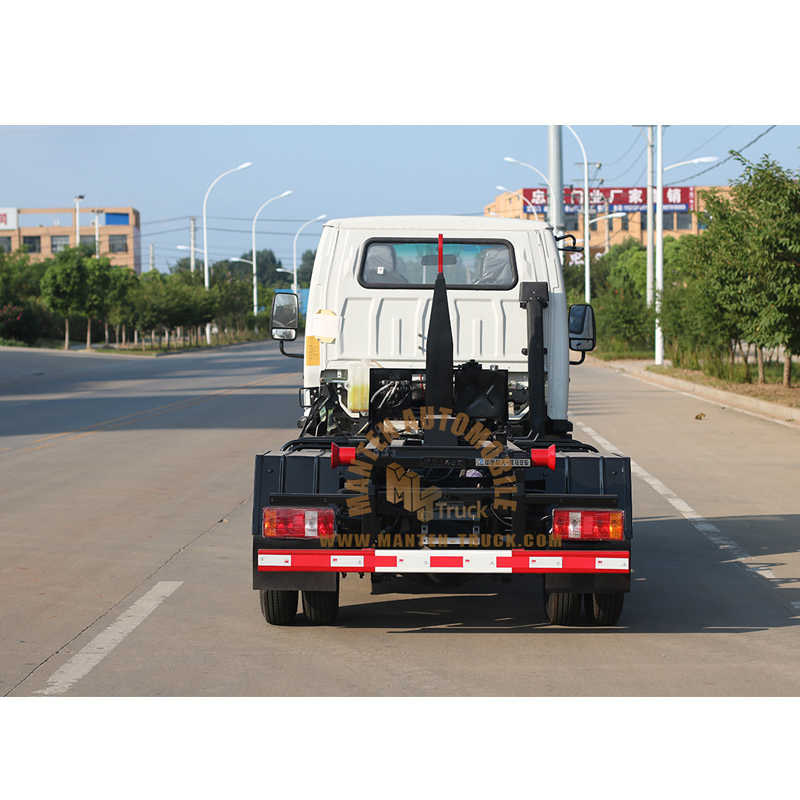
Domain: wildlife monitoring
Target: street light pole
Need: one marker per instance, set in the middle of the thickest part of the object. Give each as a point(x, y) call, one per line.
point(538, 172)
point(586, 248)
point(255, 257)
point(78, 198)
point(659, 240)
point(294, 248)
point(206, 277)
point(553, 198)
point(650, 219)
point(660, 170)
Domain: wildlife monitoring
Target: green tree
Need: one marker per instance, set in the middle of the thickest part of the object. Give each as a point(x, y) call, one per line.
point(120, 308)
point(150, 304)
point(267, 267)
point(744, 268)
point(697, 327)
point(196, 305)
point(234, 297)
point(624, 322)
point(23, 318)
point(185, 265)
point(771, 197)
point(305, 268)
point(65, 285)
point(98, 293)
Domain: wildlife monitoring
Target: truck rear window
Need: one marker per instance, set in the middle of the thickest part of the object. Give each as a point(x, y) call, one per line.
point(471, 264)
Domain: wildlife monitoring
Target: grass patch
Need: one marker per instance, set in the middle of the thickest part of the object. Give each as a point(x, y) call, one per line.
point(771, 392)
point(623, 354)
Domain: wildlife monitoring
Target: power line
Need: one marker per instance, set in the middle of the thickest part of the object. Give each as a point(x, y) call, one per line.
point(637, 158)
point(721, 130)
point(731, 155)
point(633, 143)
point(160, 221)
point(719, 163)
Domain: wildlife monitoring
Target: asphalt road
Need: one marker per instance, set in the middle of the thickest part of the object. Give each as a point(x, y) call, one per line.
point(125, 525)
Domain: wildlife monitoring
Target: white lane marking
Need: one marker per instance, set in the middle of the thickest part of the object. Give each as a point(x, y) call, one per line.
point(708, 529)
point(90, 656)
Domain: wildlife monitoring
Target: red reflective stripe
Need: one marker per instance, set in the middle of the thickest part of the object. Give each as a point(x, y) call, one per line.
point(519, 561)
point(512, 561)
point(447, 561)
point(381, 560)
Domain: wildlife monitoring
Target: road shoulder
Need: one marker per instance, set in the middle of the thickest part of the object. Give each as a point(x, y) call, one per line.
point(638, 369)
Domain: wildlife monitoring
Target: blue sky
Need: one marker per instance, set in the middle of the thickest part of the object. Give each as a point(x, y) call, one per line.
point(337, 170)
point(362, 108)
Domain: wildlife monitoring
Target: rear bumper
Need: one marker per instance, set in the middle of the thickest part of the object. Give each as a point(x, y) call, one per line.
point(467, 561)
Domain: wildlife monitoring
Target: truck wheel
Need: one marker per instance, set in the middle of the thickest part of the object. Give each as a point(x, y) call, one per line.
point(279, 606)
point(321, 608)
point(604, 608)
point(562, 607)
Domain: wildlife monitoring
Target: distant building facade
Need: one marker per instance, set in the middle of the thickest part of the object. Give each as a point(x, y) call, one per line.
point(680, 206)
point(46, 231)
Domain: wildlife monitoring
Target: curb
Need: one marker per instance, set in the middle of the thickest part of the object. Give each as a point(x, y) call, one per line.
point(772, 411)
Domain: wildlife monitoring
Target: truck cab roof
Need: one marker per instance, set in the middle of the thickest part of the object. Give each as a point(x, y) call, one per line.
point(436, 223)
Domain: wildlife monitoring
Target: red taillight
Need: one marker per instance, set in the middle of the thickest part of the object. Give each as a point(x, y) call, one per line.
point(591, 524)
point(298, 523)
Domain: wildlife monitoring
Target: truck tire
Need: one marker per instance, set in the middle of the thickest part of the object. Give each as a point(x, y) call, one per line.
point(562, 607)
point(604, 608)
point(279, 606)
point(321, 608)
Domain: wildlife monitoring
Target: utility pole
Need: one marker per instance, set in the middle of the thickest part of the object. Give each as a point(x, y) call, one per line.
point(78, 198)
point(650, 216)
point(97, 233)
point(659, 348)
point(152, 257)
point(192, 220)
point(556, 169)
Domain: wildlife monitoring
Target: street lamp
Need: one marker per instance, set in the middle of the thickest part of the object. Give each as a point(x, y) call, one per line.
point(553, 198)
point(609, 216)
point(524, 201)
point(606, 216)
point(660, 170)
point(206, 278)
point(248, 261)
point(613, 215)
point(255, 257)
point(586, 250)
point(192, 249)
point(294, 248)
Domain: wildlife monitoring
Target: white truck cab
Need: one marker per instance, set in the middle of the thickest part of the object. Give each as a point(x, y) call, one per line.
point(371, 292)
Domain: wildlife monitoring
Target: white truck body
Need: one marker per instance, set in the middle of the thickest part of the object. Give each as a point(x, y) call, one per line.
point(435, 443)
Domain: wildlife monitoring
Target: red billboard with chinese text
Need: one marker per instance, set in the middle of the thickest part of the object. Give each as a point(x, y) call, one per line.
point(610, 199)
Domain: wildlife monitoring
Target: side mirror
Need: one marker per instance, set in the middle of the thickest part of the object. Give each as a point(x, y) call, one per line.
point(581, 328)
point(284, 318)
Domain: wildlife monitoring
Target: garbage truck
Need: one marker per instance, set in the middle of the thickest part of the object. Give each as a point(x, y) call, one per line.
point(434, 442)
